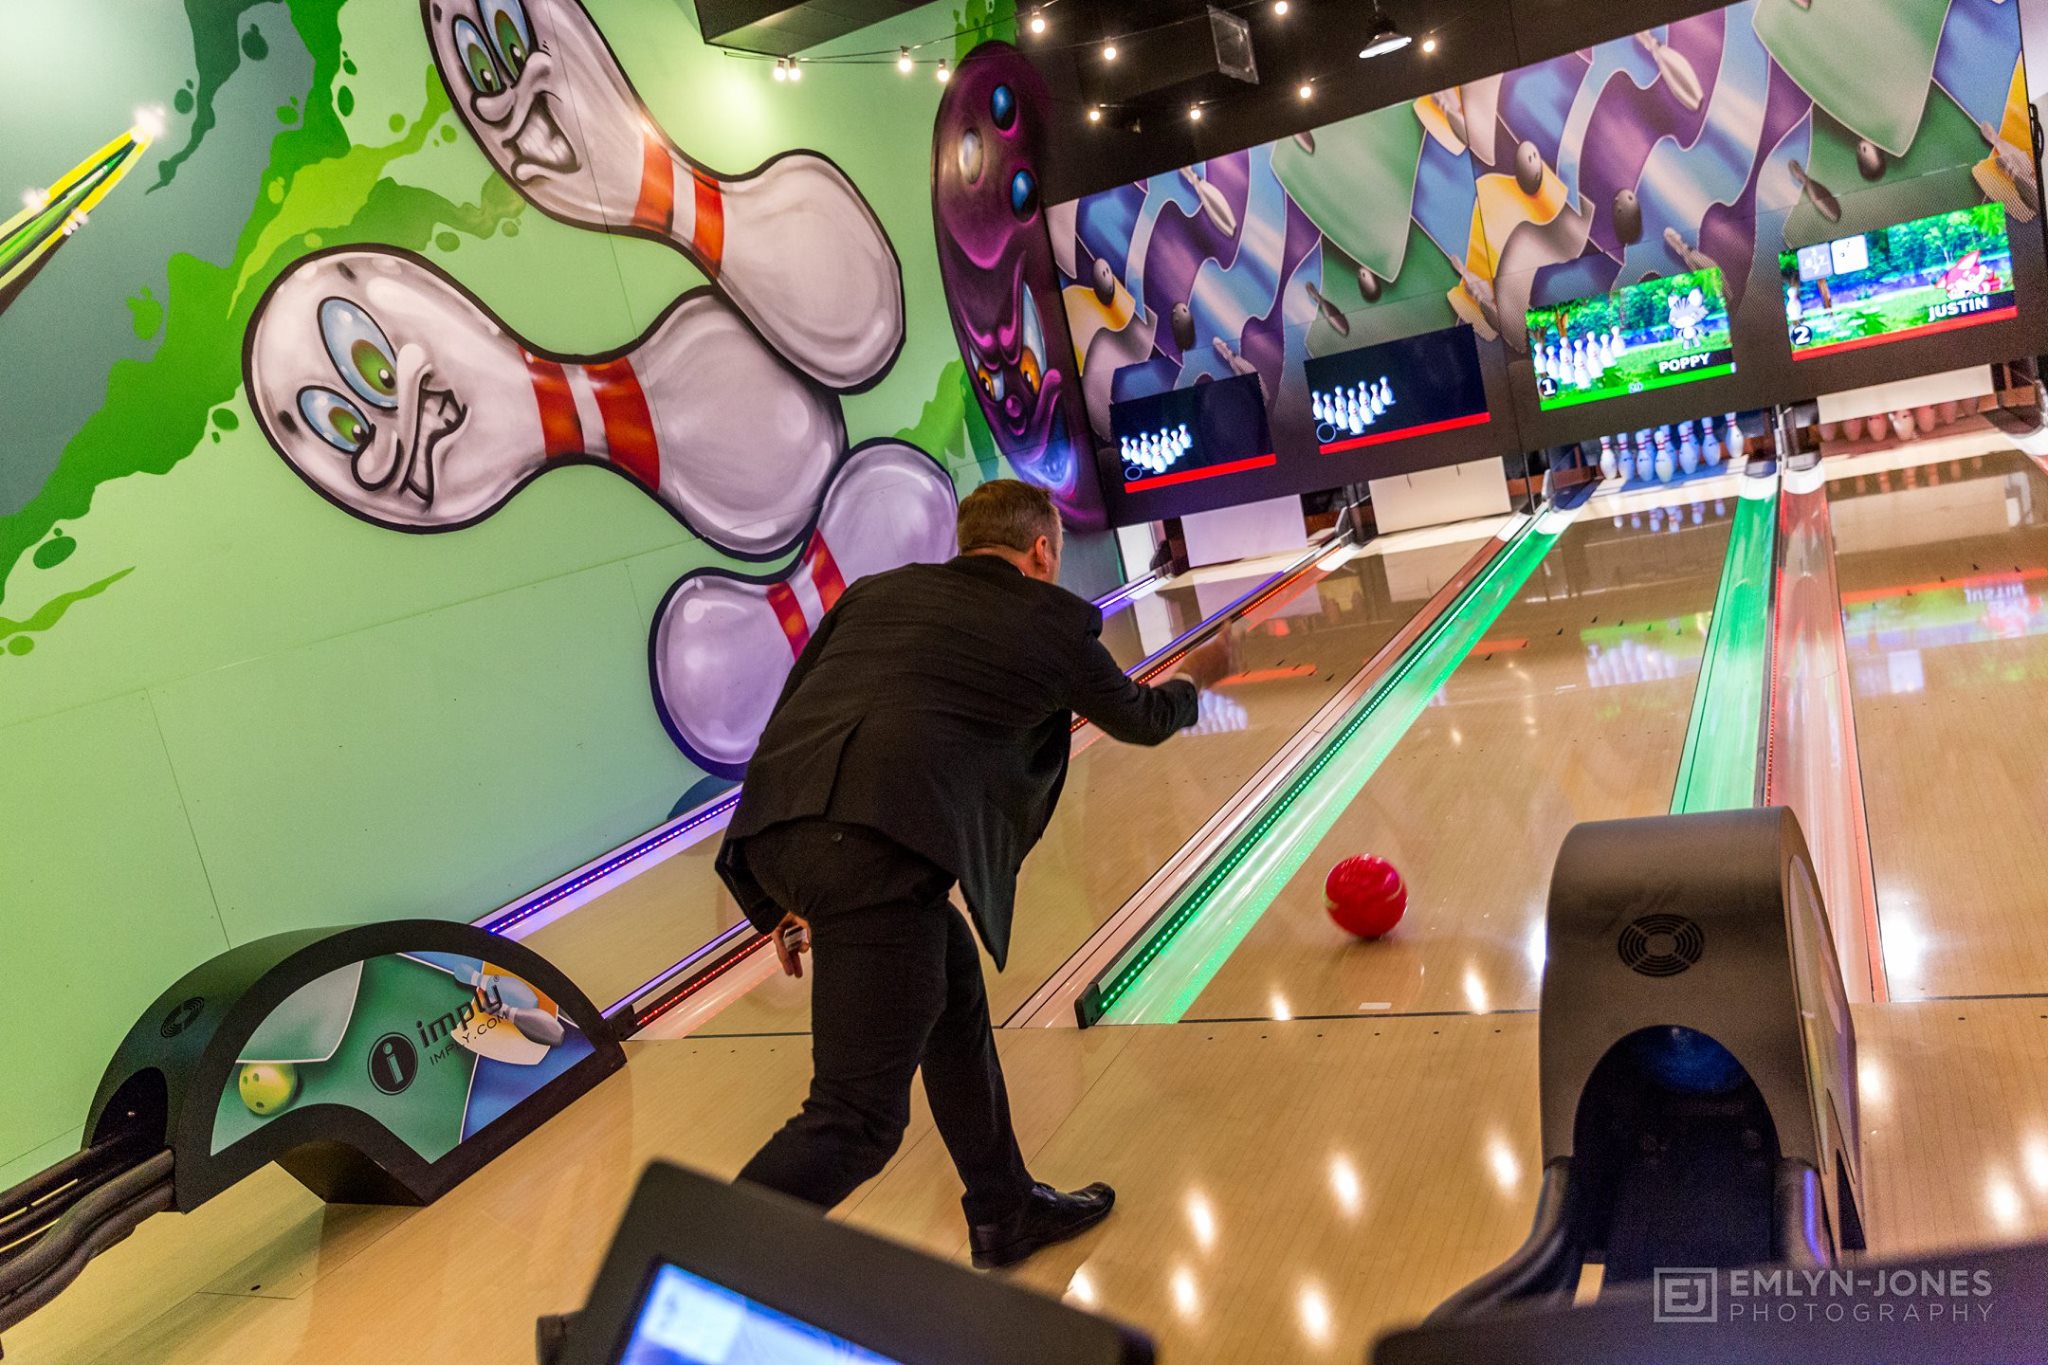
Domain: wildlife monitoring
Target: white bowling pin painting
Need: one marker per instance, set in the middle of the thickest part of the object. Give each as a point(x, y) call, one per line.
point(399, 397)
point(723, 643)
point(792, 243)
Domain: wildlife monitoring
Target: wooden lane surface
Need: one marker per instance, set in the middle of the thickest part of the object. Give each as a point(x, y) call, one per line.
point(1944, 581)
point(1572, 708)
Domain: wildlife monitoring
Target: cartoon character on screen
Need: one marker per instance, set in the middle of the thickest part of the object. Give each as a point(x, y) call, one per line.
point(1969, 276)
point(1686, 313)
point(792, 243)
point(1002, 285)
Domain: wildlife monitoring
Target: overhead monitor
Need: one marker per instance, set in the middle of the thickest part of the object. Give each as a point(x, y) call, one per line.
point(1934, 274)
point(1649, 335)
point(1396, 390)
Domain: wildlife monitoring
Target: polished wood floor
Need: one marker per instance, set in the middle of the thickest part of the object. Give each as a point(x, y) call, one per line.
point(1287, 1191)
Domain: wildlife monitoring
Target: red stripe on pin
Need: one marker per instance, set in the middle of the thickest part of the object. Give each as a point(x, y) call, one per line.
point(789, 614)
point(560, 432)
point(825, 575)
point(628, 425)
point(707, 238)
point(656, 209)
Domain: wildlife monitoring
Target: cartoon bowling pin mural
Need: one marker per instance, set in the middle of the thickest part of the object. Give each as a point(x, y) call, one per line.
point(792, 243)
point(723, 644)
point(402, 399)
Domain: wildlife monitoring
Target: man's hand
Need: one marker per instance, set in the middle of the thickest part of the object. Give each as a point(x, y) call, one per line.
point(1210, 663)
point(792, 940)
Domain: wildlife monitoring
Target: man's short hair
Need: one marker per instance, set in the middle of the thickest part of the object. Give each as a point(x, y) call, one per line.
point(1006, 514)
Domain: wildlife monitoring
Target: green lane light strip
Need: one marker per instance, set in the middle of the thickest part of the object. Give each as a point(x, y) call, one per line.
point(1718, 769)
point(1158, 979)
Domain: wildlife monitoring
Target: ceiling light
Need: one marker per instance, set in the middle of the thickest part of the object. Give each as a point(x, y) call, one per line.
point(1429, 43)
point(1095, 113)
point(903, 62)
point(782, 68)
point(1386, 37)
point(1038, 21)
point(1279, 6)
point(1195, 112)
point(796, 70)
point(1109, 52)
point(944, 73)
point(1306, 91)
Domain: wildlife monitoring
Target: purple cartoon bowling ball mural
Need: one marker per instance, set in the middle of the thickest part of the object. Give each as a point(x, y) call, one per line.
point(1002, 286)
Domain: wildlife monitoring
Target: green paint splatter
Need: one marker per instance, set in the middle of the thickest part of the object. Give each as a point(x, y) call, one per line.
point(55, 550)
point(21, 644)
point(397, 122)
point(287, 115)
point(345, 100)
point(182, 101)
point(447, 241)
point(253, 46)
point(156, 409)
point(951, 426)
point(448, 132)
point(53, 611)
point(348, 64)
point(146, 314)
point(225, 419)
point(217, 52)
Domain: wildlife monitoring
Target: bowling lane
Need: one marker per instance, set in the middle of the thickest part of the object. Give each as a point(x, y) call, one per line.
point(1125, 810)
point(675, 903)
point(1944, 580)
point(1573, 707)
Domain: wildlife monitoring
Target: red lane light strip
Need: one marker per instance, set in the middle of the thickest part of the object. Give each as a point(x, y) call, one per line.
point(1190, 475)
point(698, 983)
point(1409, 433)
point(1925, 329)
point(1259, 675)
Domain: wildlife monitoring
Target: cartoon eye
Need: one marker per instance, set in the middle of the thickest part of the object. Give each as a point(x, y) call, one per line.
point(970, 156)
point(359, 351)
point(1002, 107)
point(1027, 365)
point(476, 59)
point(1031, 346)
point(510, 32)
point(337, 421)
point(1023, 193)
point(991, 382)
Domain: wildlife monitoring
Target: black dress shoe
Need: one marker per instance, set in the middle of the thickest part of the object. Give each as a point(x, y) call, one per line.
point(1048, 1216)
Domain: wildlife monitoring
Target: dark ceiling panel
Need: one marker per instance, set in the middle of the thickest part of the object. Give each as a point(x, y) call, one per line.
point(780, 27)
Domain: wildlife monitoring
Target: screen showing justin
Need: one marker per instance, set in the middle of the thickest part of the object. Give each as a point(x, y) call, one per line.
point(1206, 431)
point(1911, 279)
point(687, 1320)
point(1396, 390)
point(1642, 336)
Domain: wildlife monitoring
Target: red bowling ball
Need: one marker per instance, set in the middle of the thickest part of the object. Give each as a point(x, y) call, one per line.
point(1365, 896)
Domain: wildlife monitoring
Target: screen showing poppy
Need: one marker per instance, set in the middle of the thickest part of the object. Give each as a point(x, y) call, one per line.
point(1643, 336)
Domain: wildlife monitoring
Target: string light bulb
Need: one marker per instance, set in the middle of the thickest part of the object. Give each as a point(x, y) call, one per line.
point(944, 73)
point(1037, 21)
point(1280, 7)
point(782, 68)
point(1095, 113)
point(1195, 113)
point(1429, 43)
point(903, 62)
point(1109, 52)
point(796, 70)
point(1306, 90)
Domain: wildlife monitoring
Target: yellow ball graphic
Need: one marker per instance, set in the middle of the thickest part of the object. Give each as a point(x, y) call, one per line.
point(268, 1087)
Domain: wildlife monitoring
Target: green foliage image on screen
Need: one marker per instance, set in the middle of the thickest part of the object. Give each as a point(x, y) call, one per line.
point(1930, 275)
point(1642, 336)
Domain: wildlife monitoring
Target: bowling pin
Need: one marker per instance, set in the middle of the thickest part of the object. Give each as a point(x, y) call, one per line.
point(1677, 70)
point(1375, 406)
point(1306, 141)
point(792, 243)
point(1733, 442)
point(1665, 465)
point(1608, 467)
point(1386, 391)
point(1331, 313)
point(404, 401)
point(1688, 449)
point(1710, 444)
point(1214, 206)
point(724, 644)
point(1685, 251)
point(1624, 458)
point(1823, 200)
point(1237, 363)
point(2018, 167)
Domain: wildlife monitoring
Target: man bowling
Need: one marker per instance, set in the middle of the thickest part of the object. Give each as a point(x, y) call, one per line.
point(921, 741)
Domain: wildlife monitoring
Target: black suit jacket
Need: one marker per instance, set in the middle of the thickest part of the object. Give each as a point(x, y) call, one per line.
point(933, 705)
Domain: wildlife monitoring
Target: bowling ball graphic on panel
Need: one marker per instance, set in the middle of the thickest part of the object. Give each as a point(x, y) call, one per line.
point(723, 643)
point(402, 399)
point(1002, 284)
point(267, 1088)
point(1365, 896)
point(792, 242)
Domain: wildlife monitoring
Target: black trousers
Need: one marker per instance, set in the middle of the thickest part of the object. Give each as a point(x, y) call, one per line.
point(896, 986)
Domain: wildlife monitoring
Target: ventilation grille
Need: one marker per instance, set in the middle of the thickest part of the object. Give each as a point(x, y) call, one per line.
point(1661, 945)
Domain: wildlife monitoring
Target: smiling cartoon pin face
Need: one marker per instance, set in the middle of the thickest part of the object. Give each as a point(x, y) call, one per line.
point(510, 67)
point(1002, 285)
point(391, 391)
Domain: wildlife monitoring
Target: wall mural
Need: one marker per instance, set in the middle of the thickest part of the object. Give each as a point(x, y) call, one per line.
point(1713, 141)
point(996, 260)
point(399, 397)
